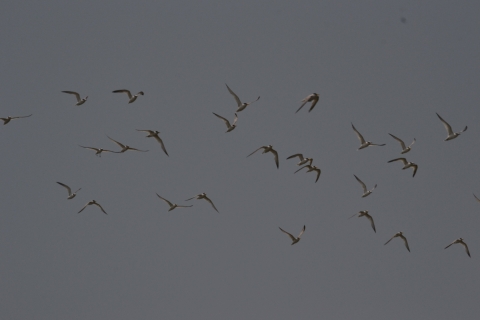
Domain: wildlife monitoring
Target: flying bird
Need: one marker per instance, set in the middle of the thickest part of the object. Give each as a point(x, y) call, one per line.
point(8, 119)
point(80, 101)
point(130, 97)
point(125, 147)
point(229, 126)
point(240, 105)
point(311, 98)
point(155, 134)
point(302, 159)
point(405, 149)
point(266, 149)
point(172, 205)
point(311, 168)
point(364, 213)
point(98, 151)
point(95, 203)
point(365, 191)
point(203, 196)
point(294, 239)
point(451, 134)
point(70, 194)
point(407, 164)
point(460, 240)
point(363, 143)
point(400, 234)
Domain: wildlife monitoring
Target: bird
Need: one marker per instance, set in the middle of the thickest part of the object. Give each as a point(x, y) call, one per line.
point(70, 194)
point(365, 191)
point(407, 164)
point(229, 126)
point(400, 234)
point(451, 134)
point(203, 196)
point(302, 159)
point(294, 239)
point(155, 134)
point(363, 143)
point(98, 151)
point(95, 203)
point(266, 149)
point(80, 101)
point(130, 97)
point(241, 106)
point(460, 240)
point(8, 119)
point(476, 197)
point(364, 213)
point(172, 205)
point(125, 147)
point(405, 149)
point(313, 98)
point(311, 168)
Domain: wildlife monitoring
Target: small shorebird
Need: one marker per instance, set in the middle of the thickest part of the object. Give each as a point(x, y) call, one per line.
point(8, 119)
point(364, 213)
point(311, 168)
point(240, 105)
point(80, 101)
point(302, 159)
point(70, 194)
point(460, 240)
point(98, 151)
point(155, 134)
point(363, 143)
point(172, 205)
point(407, 164)
point(451, 134)
point(229, 126)
point(294, 239)
point(130, 97)
point(400, 234)
point(125, 147)
point(405, 149)
point(95, 203)
point(266, 149)
point(313, 98)
point(365, 191)
point(203, 196)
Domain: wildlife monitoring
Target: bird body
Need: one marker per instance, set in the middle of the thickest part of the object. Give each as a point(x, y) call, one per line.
point(203, 196)
point(302, 159)
point(310, 98)
point(230, 127)
point(365, 191)
point(155, 134)
point(451, 135)
point(241, 106)
point(172, 205)
point(310, 169)
point(363, 143)
point(405, 149)
point(407, 164)
point(294, 239)
point(400, 234)
point(131, 98)
point(80, 100)
point(364, 213)
point(70, 194)
point(266, 149)
point(460, 240)
point(93, 202)
point(125, 147)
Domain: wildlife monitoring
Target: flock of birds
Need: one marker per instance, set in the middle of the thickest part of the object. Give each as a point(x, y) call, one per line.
point(304, 161)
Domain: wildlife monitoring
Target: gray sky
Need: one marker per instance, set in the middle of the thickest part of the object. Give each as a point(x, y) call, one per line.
point(143, 262)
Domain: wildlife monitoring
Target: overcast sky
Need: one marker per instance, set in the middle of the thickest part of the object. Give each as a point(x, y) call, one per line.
point(385, 66)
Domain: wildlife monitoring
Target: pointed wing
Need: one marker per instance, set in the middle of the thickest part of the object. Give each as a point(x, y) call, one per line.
point(306, 166)
point(359, 136)
point(314, 102)
point(275, 153)
point(466, 248)
point(184, 206)
point(411, 144)
point(239, 103)
point(256, 151)
point(118, 143)
point(235, 120)
point(75, 93)
point(304, 102)
point(148, 131)
point(98, 205)
point(318, 173)
point(135, 149)
point(400, 159)
point(22, 117)
point(125, 91)
point(84, 207)
point(169, 203)
point(390, 239)
point(476, 197)
point(406, 242)
point(224, 120)
point(415, 167)
point(91, 148)
point(299, 155)
point(68, 188)
point(446, 125)
point(208, 199)
point(451, 243)
point(249, 103)
point(301, 232)
point(376, 144)
point(371, 221)
point(353, 216)
point(363, 184)
point(399, 140)
point(161, 143)
point(289, 234)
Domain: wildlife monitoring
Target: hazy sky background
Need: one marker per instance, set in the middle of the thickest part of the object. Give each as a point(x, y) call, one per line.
point(142, 262)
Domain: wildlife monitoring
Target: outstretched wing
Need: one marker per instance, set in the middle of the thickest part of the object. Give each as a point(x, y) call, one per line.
point(361, 182)
point(301, 232)
point(224, 120)
point(446, 125)
point(68, 188)
point(239, 103)
point(169, 203)
point(400, 159)
point(75, 93)
point(118, 143)
point(289, 234)
point(399, 140)
point(256, 151)
point(359, 136)
point(208, 199)
point(125, 91)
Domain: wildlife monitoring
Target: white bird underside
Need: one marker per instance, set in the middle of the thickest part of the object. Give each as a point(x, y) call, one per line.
point(80, 101)
point(365, 191)
point(451, 135)
point(230, 127)
point(405, 149)
point(70, 194)
point(363, 143)
point(241, 106)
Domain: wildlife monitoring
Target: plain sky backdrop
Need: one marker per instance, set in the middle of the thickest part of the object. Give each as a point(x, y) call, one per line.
point(385, 66)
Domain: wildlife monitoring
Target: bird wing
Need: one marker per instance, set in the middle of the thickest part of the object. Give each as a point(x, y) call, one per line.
point(253, 101)
point(148, 131)
point(68, 188)
point(235, 120)
point(304, 102)
point(75, 93)
point(289, 234)
point(124, 90)
point(208, 199)
point(371, 221)
point(400, 159)
point(118, 143)
point(299, 155)
point(415, 167)
point(390, 239)
point(301, 232)
point(314, 102)
point(256, 151)
point(161, 143)
point(466, 248)
point(306, 166)
point(224, 120)
point(446, 125)
point(318, 173)
point(169, 203)
point(135, 149)
point(353, 216)
point(98, 205)
point(399, 140)
point(239, 103)
point(361, 182)
point(476, 197)
point(275, 153)
point(411, 144)
point(21, 117)
point(451, 244)
point(84, 207)
point(91, 148)
point(184, 206)
point(359, 135)
point(140, 92)
point(406, 242)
